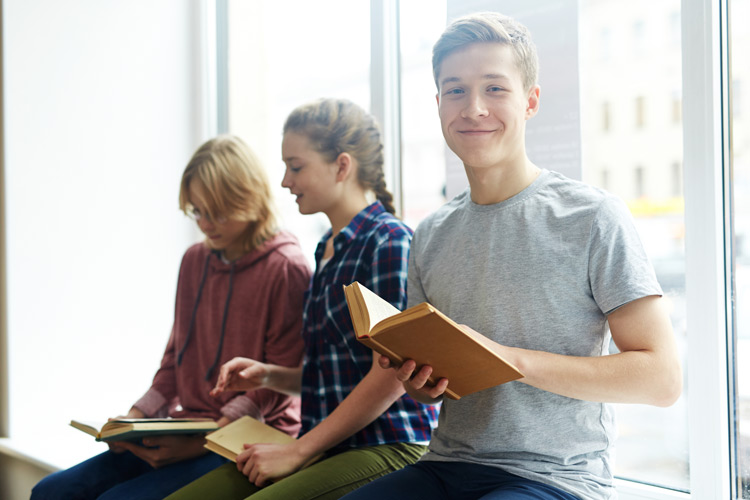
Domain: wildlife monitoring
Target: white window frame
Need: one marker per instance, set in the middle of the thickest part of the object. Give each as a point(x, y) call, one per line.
point(385, 88)
point(704, 70)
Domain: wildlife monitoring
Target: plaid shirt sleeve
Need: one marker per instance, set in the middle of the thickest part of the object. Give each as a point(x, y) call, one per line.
point(390, 264)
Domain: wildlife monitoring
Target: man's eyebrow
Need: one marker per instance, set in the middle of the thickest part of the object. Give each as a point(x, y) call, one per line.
point(488, 76)
point(494, 76)
point(450, 79)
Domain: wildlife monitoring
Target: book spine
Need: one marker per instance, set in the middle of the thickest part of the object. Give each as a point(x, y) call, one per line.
point(381, 349)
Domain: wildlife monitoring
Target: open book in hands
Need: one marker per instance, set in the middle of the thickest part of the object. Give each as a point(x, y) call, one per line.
point(124, 429)
point(468, 360)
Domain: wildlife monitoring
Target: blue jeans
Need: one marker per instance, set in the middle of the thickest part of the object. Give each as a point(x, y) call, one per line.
point(122, 476)
point(429, 480)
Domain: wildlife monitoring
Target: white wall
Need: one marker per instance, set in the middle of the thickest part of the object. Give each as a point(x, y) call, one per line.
point(103, 108)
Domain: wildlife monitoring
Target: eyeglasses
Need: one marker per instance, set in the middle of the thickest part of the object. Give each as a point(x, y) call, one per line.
point(197, 216)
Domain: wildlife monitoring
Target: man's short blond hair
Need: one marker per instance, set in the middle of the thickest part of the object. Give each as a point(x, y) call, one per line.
point(489, 27)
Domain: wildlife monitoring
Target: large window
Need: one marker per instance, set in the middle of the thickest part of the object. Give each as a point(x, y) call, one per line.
point(422, 146)
point(637, 159)
point(282, 54)
point(648, 94)
point(621, 67)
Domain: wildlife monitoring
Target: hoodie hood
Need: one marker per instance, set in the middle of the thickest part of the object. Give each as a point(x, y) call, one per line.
point(215, 263)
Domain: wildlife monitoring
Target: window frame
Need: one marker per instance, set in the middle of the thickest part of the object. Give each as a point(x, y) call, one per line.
point(707, 191)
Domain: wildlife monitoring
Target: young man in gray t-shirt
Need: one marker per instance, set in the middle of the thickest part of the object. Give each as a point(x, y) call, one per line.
point(540, 264)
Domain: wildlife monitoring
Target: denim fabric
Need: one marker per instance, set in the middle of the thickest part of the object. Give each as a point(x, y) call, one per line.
point(122, 476)
point(429, 480)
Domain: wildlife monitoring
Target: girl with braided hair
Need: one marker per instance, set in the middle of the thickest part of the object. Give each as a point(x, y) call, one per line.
point(354, 413)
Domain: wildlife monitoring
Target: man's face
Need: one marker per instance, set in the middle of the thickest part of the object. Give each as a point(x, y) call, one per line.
point(483, 105)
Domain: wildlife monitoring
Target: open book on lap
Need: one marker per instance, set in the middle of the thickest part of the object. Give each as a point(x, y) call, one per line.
point(470, 361)
point(125, 429)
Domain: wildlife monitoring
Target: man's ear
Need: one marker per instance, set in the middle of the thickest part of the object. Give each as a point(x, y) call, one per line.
point(533, 101)
point(344, 167)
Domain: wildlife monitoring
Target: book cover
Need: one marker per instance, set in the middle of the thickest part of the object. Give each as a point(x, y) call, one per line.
point(471, 362)
point(228, 441)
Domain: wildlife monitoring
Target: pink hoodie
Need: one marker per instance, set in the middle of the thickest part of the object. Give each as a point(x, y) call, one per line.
point(262, 296)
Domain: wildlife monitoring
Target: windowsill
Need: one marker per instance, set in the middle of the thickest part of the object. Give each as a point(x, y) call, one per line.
point(54, 452)
point(12, 449)
point(630, 490)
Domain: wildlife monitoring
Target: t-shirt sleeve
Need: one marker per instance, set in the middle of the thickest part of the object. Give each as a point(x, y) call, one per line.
point(414, 289)
point(619, 269)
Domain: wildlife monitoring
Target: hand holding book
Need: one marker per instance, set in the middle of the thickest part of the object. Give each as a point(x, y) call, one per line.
point(440, 348)
point(417, 382)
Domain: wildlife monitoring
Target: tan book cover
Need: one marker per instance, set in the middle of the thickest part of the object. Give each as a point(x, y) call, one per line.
point(228, 440)
point(124, 429)
point(470, 361)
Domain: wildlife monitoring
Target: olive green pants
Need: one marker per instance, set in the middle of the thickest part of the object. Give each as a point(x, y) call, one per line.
point(327, 479)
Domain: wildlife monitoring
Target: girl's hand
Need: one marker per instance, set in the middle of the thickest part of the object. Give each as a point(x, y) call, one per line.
point(241, 374)
point(262, 463)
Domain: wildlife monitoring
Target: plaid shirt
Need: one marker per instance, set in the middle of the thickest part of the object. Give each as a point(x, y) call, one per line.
point(373, 249)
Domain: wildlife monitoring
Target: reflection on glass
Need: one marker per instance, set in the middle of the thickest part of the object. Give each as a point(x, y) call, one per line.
point(632, 146)
point(286, 53)
point(740, 158)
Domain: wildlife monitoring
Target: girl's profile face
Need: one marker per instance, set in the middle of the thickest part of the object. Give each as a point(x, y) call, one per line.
point(309, 177)
point(223, 233)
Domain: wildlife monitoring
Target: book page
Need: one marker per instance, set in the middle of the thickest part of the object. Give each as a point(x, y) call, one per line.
point(378, 309)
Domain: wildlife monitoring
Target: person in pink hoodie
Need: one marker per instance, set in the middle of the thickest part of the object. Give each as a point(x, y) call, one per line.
point(240, 292)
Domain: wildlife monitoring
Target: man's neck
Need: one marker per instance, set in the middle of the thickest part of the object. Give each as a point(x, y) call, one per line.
point(495, 184)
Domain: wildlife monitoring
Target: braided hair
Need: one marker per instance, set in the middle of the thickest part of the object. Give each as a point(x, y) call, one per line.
point(335, 126)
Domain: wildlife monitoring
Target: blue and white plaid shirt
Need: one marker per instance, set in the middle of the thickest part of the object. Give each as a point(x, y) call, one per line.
point(374, 250)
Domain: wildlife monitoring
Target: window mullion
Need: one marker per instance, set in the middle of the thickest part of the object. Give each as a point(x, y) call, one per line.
point(385, 88)
point(708, 401)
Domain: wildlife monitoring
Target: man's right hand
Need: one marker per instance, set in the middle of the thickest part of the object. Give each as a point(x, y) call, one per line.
point(417, 384)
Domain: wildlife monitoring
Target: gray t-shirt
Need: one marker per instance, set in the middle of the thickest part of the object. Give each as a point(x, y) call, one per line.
point(537, 271)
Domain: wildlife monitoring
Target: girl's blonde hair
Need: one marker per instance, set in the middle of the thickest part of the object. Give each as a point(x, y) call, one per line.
point(335, 126)
point(234, 186)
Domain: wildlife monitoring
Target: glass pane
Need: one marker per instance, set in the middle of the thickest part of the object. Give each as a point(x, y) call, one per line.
point(740, 157)
point(423, 148)
point(630, 68)
point(286, 53)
